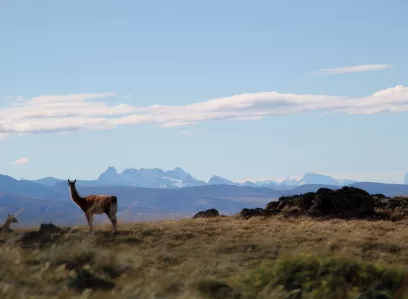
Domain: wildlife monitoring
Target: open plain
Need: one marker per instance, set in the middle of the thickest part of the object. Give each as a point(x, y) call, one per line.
point(221, 257)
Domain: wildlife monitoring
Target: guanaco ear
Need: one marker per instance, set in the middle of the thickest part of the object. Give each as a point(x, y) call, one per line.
point(74, 181)
point(69, 181)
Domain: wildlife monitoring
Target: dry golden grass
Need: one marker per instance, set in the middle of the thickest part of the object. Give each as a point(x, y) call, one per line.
point(255, 258)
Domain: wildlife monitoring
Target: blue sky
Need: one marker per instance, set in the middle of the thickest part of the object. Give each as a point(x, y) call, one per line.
point(233, 88)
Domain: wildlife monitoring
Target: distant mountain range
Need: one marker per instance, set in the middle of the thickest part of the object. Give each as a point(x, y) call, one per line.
point(178, 178)
point(153, 193)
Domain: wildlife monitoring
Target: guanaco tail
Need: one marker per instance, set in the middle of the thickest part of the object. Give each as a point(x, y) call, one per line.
point(95, 204)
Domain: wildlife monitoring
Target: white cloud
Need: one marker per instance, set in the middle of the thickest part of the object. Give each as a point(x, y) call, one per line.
point(64, 113)
point(353, 69)
point(21, 161)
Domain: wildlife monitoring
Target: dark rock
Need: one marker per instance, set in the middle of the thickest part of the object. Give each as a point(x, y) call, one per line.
point(282, 204)
point(273, 205)
point(293, 212)
point(302, 201)
point(306, 200)
point(247, 213)
point(84, 279)
point(323, 191)
point(396, 202)
point(379, 195)
point(49, 228)
point(207, 214)
point(46, 234)
point(271, 212)
point(345, 202)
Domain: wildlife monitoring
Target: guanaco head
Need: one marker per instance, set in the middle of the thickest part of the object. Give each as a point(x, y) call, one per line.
point(71, 184)
point(11, 219)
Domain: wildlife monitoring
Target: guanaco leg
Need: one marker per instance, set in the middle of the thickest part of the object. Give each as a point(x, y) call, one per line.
point(89, 218)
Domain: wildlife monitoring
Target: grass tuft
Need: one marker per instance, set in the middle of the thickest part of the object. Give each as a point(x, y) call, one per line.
point(308, 276)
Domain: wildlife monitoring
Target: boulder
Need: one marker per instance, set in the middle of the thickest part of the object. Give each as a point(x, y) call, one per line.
point(206, 214)
point(302, 201)
point(346, 202)
point(247, 213)
point(49, 228)
point(395, 202)
point(273, 205)
point(46, 235)
point(379, 196)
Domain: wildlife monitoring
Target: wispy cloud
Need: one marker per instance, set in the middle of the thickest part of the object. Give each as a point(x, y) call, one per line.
point(21, 161)
point(352, 69)
point(3, 137)
point(64, 113)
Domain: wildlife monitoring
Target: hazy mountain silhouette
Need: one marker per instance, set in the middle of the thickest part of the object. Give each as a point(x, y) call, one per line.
point(216, 180)
point(10, 185)
point(314, 178)
point(151, 178)
point(178, 178)
point(48, 181)
point(155, 193)
point(53, 204)
point(386, 189)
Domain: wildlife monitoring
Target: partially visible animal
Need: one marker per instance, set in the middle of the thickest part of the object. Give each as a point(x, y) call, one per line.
point(95, 204)
point(6, 226)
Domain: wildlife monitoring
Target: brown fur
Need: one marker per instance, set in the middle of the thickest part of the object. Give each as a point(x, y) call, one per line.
point(95, 204)
point(10, 219)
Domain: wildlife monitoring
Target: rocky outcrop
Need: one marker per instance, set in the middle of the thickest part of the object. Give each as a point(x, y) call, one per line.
point(207, 213)
point(47, 234)
point(347, 202)
point(273, 205)
point(391, 203)
point(247, 213)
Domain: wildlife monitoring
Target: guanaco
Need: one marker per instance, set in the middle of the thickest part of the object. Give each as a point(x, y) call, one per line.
point(6, 226)
point(95, 204)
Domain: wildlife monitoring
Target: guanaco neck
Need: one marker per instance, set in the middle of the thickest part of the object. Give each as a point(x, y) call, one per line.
point(6, 225)
point(75, 196)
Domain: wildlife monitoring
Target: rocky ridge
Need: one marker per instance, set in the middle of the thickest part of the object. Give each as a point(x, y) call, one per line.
point(344, 203)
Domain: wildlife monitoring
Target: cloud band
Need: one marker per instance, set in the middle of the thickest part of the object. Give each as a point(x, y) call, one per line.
point(64, 113)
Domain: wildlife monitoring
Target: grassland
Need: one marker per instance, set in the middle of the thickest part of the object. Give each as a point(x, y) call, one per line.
point(213, 258)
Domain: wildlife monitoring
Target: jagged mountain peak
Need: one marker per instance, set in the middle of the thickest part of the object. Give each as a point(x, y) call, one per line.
point(149, 177)
point(217, 180)
point(178, 177)
point(109, 174)
point(315, 178)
